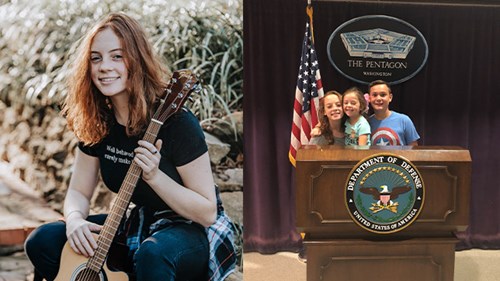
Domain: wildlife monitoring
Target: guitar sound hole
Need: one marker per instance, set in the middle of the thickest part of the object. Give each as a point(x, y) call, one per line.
point(90, 275)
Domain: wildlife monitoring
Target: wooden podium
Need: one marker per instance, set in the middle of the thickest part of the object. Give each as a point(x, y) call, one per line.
point(339, 249)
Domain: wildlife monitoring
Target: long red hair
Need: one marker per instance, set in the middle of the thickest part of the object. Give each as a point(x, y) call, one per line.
point(87, 111)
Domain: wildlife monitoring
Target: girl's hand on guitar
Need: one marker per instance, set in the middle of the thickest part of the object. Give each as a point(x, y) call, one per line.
point(147, 156)
point(80, 238)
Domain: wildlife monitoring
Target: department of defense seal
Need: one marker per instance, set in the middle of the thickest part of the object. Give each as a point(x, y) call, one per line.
point(384, 193)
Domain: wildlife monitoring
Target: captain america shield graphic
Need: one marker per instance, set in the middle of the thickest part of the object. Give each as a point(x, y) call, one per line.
point(385, 136)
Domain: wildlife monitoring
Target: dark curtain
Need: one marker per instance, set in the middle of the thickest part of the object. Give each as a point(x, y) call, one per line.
point(453, 100)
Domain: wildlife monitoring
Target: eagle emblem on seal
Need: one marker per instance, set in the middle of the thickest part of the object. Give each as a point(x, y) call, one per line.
point(385, 197)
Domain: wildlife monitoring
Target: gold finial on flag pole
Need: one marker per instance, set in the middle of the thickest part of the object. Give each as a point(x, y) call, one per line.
point(309, 11)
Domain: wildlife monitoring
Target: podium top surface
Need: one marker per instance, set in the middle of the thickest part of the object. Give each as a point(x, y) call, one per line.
point(355, 153)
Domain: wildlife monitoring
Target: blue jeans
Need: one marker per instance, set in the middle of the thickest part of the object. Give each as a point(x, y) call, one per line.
point(178, 252)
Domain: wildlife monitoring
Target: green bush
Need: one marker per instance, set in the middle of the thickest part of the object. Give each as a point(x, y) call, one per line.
point(39, 37)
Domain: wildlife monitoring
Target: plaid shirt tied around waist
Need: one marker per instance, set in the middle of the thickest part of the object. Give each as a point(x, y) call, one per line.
point(142, 223)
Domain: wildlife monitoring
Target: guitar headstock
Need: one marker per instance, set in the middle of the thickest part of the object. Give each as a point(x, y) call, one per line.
point(180, 86)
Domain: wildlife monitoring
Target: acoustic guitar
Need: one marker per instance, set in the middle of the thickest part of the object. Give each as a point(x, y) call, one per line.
point(77, 267)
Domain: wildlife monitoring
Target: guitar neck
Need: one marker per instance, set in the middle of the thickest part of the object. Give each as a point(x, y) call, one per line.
point(120, 204)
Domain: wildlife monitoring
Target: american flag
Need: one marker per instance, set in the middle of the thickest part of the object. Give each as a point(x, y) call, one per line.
point(307, 94)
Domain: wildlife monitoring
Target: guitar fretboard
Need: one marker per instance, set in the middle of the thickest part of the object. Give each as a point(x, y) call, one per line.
point(120, 205)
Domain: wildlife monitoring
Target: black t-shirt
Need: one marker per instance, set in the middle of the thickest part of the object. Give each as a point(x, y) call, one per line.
point(183, 142)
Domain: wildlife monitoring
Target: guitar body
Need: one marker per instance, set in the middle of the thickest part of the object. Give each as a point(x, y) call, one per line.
point(73, 268)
